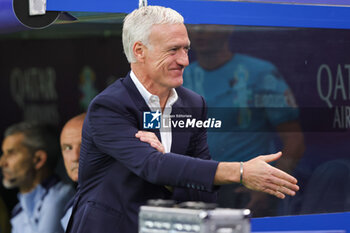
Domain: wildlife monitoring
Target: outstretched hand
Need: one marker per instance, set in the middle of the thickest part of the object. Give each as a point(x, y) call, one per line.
point(261, 176)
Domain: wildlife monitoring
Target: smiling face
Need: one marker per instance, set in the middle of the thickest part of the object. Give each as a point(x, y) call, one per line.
point(70, 141)
point(18, 167)
point(167, 55)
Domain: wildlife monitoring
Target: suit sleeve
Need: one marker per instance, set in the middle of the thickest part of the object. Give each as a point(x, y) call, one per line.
point(114, 125)
point(198, 147)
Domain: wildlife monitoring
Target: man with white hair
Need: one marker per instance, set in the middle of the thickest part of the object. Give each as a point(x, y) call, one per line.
point(122, 166)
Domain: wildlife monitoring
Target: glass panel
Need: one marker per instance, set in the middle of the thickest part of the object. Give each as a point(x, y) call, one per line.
point(278, 89)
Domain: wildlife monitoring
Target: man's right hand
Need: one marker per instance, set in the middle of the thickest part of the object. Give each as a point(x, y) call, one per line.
point(151, 139)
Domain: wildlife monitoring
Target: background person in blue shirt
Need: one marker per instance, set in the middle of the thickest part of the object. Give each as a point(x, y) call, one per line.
point(252, 97)
point(30, 153)
point(70, 141)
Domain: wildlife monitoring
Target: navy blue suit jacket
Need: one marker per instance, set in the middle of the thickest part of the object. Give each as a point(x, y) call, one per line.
point(118, 173)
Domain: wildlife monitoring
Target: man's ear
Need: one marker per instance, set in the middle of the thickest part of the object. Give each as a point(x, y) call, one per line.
point(40, 159)
point(139, 50)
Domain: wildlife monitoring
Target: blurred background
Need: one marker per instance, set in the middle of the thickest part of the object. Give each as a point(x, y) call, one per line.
point(53, 73)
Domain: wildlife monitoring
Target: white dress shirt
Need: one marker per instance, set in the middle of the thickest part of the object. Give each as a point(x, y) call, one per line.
point(154, 104)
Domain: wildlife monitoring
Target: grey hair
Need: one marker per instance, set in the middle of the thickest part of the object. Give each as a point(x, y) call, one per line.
point(137, 26)
point(38, 137)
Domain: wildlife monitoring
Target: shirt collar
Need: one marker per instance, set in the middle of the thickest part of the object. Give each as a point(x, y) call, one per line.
point(28, 200)
point(147, 96)
point(172, 98)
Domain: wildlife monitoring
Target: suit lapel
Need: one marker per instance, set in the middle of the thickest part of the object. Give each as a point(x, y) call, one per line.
point(135, 94)
point(179, 136)
point(140, 103)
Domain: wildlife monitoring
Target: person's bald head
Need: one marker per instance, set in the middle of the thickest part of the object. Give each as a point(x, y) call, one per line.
point(70, 142)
